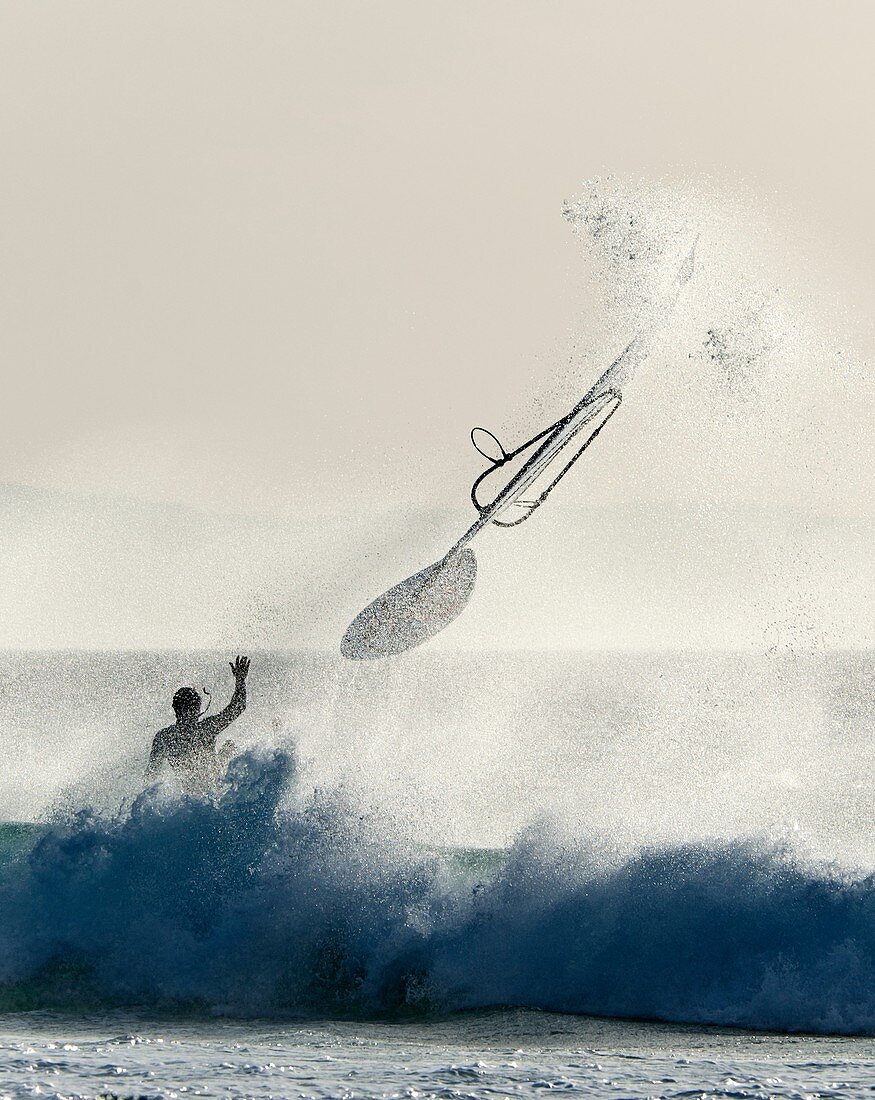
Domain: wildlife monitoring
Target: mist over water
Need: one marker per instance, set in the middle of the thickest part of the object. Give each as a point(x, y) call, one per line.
point(677, 834)
point(467, 749)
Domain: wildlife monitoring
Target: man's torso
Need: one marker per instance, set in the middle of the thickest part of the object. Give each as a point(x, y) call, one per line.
point(188, 751)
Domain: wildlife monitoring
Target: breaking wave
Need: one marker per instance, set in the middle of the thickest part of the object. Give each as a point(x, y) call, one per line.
point(267, 902)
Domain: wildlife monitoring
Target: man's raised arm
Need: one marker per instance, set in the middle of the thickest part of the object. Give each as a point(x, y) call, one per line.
point(213, 726)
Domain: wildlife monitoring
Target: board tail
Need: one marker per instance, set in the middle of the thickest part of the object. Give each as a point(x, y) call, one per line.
point(414, 610)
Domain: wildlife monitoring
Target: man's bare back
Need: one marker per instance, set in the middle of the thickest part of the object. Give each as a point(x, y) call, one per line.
point(189, 746)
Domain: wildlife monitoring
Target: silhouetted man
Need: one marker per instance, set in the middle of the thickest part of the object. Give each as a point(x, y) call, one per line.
point(189, 746)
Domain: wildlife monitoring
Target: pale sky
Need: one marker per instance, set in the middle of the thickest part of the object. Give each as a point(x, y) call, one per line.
point(264, 265)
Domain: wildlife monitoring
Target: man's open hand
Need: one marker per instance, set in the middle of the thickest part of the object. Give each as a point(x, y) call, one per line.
point(240, 669)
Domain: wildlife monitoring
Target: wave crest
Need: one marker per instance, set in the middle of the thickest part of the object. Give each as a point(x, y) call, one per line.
point(266, 903)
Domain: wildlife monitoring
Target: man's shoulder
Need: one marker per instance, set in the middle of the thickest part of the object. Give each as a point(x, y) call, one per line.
point(207, 726)
point(163, 736)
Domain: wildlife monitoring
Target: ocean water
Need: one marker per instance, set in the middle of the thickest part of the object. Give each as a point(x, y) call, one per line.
point(446, 875)
point(510, 1052)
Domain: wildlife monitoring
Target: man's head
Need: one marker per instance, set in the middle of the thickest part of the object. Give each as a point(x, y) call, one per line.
point(186, 705)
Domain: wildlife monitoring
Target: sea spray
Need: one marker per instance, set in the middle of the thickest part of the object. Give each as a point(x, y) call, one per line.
point(741, 932)
point(258, 902)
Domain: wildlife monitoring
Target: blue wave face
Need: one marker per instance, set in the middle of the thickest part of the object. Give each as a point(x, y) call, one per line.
point(256, 904)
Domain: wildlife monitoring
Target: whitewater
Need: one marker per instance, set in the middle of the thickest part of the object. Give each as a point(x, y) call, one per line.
point(408, 931)
point(237, 905)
